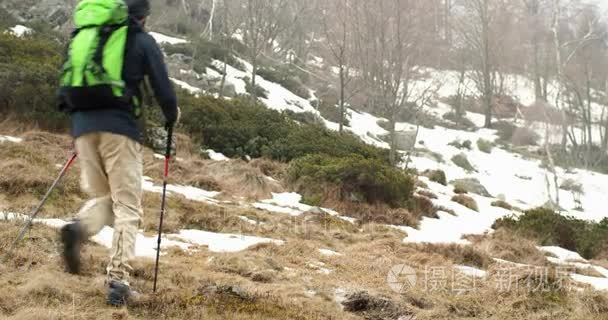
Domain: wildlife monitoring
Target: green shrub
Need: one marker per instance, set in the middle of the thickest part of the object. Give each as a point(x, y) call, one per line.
point(436, 176)
point(330, 111)
point(485, 145)
point(552, 229)
point(238, 128)
point(502, 204)
point(203, 52)
point(29, 72)
point(186, 49)
point(462, 161)
point(466, 201)
point(354, 175)
point(258, 90)
point(461, 145)
point(304, 117)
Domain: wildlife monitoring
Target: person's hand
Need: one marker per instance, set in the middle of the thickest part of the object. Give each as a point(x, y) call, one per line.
point(177, 118)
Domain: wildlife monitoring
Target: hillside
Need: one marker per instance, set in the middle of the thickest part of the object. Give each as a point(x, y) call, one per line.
point(274, 215)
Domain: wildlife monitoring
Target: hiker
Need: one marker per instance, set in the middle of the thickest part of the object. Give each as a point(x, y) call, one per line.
point(101, 92)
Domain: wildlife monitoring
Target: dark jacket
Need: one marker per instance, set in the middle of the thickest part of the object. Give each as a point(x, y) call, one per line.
point(143, 57)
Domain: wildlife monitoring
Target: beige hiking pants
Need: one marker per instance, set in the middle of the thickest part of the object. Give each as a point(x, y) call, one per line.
point(112, 171)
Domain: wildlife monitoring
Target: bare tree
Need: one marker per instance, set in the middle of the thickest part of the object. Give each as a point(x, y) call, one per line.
point(391, 39)
point(337, 28)
point(264, 21)
point(475, 31)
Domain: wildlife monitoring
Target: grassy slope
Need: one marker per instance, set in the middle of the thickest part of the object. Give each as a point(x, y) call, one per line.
point(275, 279)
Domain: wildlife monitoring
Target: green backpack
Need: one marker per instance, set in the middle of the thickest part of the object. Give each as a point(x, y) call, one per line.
point(92, 74)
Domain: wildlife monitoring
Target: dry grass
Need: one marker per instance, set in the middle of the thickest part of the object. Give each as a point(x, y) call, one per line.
point(235, 178)
point(458, 254)
point(29, 168)
point(271, 281)
point(466, 201)
point(505, 245)
point(427, 193)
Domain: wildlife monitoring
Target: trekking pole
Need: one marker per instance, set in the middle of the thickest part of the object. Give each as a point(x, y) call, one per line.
point(33, 215)
point(162, 206)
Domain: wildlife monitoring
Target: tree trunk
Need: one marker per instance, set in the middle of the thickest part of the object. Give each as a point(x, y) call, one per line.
point(342, 84)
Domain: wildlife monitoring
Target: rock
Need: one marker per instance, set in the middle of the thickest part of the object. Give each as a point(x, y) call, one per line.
point(471, 185)
point(373, 307)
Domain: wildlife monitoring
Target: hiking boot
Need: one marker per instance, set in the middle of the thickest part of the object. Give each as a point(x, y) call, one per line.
point(118, 293)
point(72, 236)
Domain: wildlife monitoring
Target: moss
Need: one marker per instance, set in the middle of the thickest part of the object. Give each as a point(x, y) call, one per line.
point(466, 201)
point(462, 161)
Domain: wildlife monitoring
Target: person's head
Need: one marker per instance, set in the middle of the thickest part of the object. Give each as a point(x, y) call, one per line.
point(139, 10)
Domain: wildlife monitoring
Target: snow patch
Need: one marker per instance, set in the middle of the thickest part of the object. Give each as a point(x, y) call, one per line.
point(562, 254)
point(216, 156)
point(10, 139)
point(470, 271)
point(20, 30)
point(329, 253)
point(223, 242)
point(190, 193)
point(186, 86)
point(161, 38)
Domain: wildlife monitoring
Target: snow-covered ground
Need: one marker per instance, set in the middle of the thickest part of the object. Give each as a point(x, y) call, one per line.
point(188, 192)
point(20, 30)
point(161, 38)
point(186, 239)
point(10, 139)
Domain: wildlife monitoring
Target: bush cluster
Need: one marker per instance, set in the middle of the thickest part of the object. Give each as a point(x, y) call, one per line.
point(355, 175)
point(203, 52)
point(549, 228)
point(485, 145)
point(466, 201)
point(241, 128)
point(29, 73)
point(436, 176)
point(462, 161)
point(502, 204)
point(330, 110)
